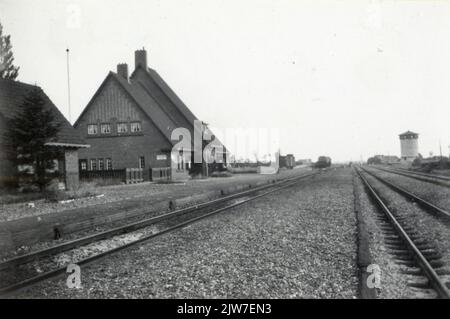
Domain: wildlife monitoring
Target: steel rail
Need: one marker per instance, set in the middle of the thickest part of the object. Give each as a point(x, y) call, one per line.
point(430, 273)
point(429, 179)
point(410, 195)
point(128, 227)
point(4, 291)
point(442, 177)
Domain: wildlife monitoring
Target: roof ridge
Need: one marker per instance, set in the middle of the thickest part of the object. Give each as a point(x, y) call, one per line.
point(12, 95)
point(171, 91)
point(156, 101)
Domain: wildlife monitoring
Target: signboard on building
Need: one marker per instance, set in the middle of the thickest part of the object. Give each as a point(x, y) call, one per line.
point(161, 157)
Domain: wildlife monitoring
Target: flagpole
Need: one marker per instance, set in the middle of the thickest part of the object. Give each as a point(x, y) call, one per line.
point(68, 85)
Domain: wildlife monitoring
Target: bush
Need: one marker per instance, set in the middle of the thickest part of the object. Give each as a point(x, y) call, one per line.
point(417, 162)
point(221, 174)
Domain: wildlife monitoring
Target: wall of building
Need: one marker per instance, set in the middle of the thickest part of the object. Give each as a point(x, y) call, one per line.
point(6, 167)
point(71, 174)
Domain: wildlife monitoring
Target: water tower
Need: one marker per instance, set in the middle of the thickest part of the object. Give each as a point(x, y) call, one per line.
point(409, 145)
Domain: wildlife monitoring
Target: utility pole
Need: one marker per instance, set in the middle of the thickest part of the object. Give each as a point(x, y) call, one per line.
point(68, 85)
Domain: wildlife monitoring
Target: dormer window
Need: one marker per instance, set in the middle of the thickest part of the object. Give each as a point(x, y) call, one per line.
point(136, 127)
point(92, 129)
point(122, 128)
point(105, 128)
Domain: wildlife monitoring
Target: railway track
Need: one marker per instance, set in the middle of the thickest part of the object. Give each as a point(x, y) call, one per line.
point(414, 197)
point(27, 270)
point(430, 178)
point(441, 177)
point(420, 258)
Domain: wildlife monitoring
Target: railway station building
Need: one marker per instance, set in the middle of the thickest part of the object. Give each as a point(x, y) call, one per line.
point(129, 123)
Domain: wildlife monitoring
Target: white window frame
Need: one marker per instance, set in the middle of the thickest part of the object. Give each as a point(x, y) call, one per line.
point(108, 164)
point(141, 159)
point(102, 161)
point(136, 127)
point(123, 125)
point(94, 128)
point(92, 166)
point(103, 126)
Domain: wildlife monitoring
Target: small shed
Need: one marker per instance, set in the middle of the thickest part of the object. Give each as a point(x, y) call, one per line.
point(12, 94)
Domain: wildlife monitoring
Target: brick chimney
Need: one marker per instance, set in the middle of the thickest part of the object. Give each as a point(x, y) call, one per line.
point(140, 59)
point(122, 70)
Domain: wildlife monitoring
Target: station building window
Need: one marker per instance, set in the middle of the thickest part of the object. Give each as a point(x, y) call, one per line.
point(108, 164)
point(83, 165)
point(93, 164)
point(136, 127)
point(105, 128)
point(92, 129)
point(122, 128)
point(141, 162)
point(101, 164)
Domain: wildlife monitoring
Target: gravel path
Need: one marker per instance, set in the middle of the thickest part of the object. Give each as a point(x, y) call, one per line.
point(298, 243)
point(150, 192)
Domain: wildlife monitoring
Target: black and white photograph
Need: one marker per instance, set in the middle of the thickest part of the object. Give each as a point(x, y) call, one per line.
point(227, 157)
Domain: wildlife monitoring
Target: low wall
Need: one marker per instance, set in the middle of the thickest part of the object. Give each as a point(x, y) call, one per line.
point(243, 170)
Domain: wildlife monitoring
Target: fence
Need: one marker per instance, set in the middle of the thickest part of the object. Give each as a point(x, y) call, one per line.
point(126, 175)
point(115, 176)
point(161, 174)
point(134, 175)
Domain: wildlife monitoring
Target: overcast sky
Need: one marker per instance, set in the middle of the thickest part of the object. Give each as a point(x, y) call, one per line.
point(337, 78)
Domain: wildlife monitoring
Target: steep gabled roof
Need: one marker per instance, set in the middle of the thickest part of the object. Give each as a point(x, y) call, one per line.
point(172, 96)
point(174, 99)
point(145, 102)
point(143, 96)
point(148, 105)
point(12, 95)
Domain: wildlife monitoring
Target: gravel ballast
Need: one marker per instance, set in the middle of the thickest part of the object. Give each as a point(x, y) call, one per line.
point(298, 243)
point(436, 194)
point(422, 224)
point(425, 224)
point(393, 283)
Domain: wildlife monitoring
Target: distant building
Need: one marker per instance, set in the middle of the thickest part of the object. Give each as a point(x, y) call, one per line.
point(305, 161)
point(68, 141)
point(387, 159)
point(287, 161)
point(409, 145)
point(129, 122)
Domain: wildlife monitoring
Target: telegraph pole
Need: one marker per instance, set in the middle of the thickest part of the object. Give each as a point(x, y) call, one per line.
point(68, 85)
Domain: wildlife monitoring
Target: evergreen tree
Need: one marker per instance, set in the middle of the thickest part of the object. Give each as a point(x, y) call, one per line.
point(32, 127)
point(7, 69)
